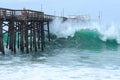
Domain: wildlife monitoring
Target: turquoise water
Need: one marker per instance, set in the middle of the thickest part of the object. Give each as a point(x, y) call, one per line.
point(86, 55)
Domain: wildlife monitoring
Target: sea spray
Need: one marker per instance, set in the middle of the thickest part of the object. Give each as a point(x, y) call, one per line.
point(70, 27)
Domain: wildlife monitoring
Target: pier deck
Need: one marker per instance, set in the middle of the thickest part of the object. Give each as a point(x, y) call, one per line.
point(25, 29)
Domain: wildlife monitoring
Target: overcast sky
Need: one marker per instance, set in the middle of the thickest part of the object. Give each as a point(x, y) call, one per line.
point(110, 9)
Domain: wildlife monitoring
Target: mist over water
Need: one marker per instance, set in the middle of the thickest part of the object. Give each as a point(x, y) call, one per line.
point(77, 51)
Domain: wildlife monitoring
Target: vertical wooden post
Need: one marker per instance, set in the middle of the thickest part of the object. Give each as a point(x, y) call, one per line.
point(48, 31)
point(1, 39)
point(42, 36)
point(11, 35)
point(34, 36)
point(26, 37)
point(18, 32)
point(38, 35)
point(14, 37)
point(22, 37)
point(31, 36)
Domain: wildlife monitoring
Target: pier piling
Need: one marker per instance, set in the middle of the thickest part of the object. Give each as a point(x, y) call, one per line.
point(26, 30)
point(1, 39)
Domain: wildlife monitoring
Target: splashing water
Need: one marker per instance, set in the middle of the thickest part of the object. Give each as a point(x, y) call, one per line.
point(81, 51)
point(70, 27)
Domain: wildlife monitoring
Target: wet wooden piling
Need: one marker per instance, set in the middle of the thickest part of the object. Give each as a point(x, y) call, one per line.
point(1, 39)
point(25, 30)
point(48, 31)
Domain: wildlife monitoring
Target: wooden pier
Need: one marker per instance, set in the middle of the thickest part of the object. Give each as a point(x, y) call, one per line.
point(25, 29)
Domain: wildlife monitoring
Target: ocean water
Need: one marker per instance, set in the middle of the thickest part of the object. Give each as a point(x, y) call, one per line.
point(77, 51)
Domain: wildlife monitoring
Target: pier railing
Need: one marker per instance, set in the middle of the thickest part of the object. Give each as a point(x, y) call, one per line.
point(24, 14)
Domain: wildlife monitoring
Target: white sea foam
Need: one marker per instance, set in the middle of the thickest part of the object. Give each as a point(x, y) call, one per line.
point(46, 72)
point(69, 27)
point(63, 64)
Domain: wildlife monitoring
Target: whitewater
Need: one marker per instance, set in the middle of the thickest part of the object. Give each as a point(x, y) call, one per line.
point(77, 51)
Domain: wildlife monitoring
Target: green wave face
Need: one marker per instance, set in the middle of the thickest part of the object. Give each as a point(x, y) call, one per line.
point(86, 39)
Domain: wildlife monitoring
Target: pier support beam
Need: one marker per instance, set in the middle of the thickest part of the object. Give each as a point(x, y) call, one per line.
point(12, 36)
point(18, 34)
point(48, 31)
point(22, 36)
point(38, 34)
point(1, 39)
point(42, 36)
point(31, 36)
point(34, 37)
point(26, 36)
